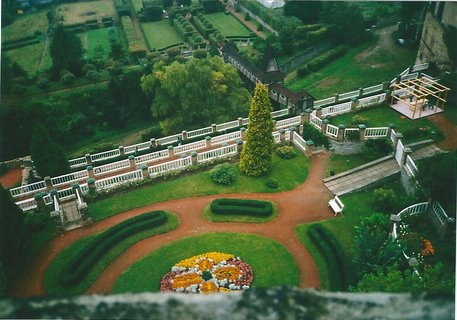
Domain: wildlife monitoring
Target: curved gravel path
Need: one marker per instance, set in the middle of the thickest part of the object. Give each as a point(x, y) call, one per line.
point(306, 203)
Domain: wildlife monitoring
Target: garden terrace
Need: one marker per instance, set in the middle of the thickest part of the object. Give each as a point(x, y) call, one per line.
point(228, 25)
point(78, 13)
point(160, 35)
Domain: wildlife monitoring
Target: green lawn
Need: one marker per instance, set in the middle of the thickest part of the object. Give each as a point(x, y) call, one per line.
point(98, 38)
point(273, 265)
point(210, 216)
point(26, 25)
point(160, 34)
point(52, 280)
point(228, 25)
point(289, 174)
point(353, 71)
point(340, 163)
point(29, 57)
point(137, 5)
point(383, 115)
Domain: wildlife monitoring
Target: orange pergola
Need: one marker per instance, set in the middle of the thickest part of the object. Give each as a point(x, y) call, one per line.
point(416, 92)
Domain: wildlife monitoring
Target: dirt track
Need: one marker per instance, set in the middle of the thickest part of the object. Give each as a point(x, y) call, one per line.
point(306, 203)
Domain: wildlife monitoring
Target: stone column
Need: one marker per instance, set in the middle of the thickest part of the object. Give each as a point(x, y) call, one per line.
point(153, 143)
point(88, 158)
point(91, 185)
point(274, 125)
point(362, 129)
point(282, 135)
point(337, 97)
point(360, 92)
point(385, 85)
point(354, 103)
point(319, 112)
point(171, 151)
point(309, 148)
point(398, 136)
point(132, 162)
point(341, 130)
point(240, 122)
point(145, 172)
point(208, 141)
point(194, 155)
point(39, 199)
point(239, 146)
point(213, 128)
point(121, 150)
point(184, 135)
point(243, 133)
point(406, 152)
point(90, 172)
point(48, 183)
point(307, 115)
point(325, 122)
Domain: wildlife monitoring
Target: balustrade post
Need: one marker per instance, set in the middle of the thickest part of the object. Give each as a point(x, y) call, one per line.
point(152, 143)
point(239, 146)
point(240, 122)
point(290, 110)
point(132, 162)
point(306, 116)
point(282, 135)
point(213, 128)
point(309, 148)
point(90, 172)
point(385, 85)
point(362, 129)
point(406, 153)
point(398, 136)
point(193, 156)
point(39, 199)
point(184, 134)
point(48, 183)
point(122, 150)
point(389, 95)
point(397, 79)
point(325, 122)
point(243, 133)
point(337, 97)
point(300, 129)
point(91, 185)
point(341, 131)
point(360, 93)
point(208, 141)
point(145, 172)
point(354, 103)
point(171, 151)
point(88, 158)
point(319, 112)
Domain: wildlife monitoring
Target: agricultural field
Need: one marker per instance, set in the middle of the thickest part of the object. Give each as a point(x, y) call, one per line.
point(228, 25)
point(80, 12)
point(160, 34)
point(26, 26)
point(29, 57)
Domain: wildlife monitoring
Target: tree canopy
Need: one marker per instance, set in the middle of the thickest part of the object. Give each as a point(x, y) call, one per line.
point(195, 93)
point(256, 155)
point(66, 51)
point(306, 11)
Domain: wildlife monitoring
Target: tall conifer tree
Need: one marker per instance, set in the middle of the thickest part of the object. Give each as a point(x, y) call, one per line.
point(256, 154)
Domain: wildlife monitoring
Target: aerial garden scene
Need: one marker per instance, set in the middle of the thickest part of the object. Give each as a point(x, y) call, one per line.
point(200, 147)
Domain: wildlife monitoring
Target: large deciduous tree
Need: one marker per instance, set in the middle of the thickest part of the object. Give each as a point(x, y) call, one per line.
point(195, 93)
point(257, 152)
point(48, 156)
point(306, 11)
point(66, 51)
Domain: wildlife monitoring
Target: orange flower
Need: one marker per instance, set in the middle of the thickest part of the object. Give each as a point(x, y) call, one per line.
point(227, 272)
point(427, 248)
point(185, 280)
point(205, 265)
point(208, 287)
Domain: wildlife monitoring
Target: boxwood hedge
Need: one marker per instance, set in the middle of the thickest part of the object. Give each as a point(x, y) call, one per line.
point(241, 207)
point(80, 265)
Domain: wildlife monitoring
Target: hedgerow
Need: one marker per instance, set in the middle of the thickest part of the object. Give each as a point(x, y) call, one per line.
point(241, 207)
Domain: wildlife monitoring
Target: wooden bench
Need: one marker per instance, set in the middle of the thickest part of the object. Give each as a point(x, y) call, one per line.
point(336, 205)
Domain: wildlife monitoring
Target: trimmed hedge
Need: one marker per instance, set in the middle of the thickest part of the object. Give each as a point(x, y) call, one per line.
point(326, 57)
point(333, 254)
point(81, 264)
point(20, 44)
point(241, 207)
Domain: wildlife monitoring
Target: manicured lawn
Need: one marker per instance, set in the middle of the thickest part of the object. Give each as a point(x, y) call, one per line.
point(289, 174)
point(160, 34)
point(228, 25)
point(26, 25)
point(210, 216)
point(340, 163)
point(383, 115)
point(137, 5)
point(98, 38)
point(80, 12)
point(52, 279)
point(272, 263)
point(352, 71)
point(29, 57)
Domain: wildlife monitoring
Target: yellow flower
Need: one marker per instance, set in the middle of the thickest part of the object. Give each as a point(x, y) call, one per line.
point(227, 272)
point(185, 280)
point(208, 287)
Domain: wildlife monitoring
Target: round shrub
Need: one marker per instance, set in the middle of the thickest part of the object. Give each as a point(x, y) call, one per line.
point(358, 119)
point(36, 221)
point(223, 174)
point(286, 152)
point(272, 184)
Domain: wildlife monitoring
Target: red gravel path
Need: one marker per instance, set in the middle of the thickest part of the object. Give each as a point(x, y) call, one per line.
point(306, 203)
point(449, 129)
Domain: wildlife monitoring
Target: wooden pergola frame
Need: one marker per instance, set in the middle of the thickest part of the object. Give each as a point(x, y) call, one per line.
point(420, 89)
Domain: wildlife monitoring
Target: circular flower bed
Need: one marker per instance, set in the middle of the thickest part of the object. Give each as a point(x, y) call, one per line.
point(208, 272)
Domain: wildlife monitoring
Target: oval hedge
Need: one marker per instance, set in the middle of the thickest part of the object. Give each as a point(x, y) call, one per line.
point(241, 207)
point(82, 263)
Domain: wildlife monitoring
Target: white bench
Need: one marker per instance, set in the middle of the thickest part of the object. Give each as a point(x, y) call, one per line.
point(336, 205)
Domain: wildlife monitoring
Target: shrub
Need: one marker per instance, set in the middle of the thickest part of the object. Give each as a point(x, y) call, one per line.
point(326, 57)
point(241, 207)
point(302, 71)
point(358, 119)
point(36, 221)
point(272, 184)
point(385, 200)
point(286, 152)
point(247, 17)
point(223, 174)
point(84, 260)
point(311, 133)
point(378, 146)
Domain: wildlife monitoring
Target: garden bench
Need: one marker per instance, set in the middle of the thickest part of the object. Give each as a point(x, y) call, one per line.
point(336, 205)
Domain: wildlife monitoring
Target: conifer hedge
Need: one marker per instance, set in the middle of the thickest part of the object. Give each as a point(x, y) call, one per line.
point(241, 207)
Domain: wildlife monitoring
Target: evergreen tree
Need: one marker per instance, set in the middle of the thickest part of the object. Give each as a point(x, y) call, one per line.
point(48, 157)
point(256, 154)
point(66, 51)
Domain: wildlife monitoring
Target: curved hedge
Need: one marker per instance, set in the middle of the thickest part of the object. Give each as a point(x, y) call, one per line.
point(241, 207)
point(82, 263)
point(332, 254)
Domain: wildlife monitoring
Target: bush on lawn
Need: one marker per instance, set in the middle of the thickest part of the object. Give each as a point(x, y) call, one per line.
point(272, 184)
point(223, 174)
point(241, 207)
point(380, 147)
point(311, 133)
point(81, 264)
point(286, 152)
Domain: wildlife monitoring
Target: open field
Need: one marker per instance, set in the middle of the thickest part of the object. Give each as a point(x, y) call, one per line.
point(80, 12)
point(160, 34)
point(29, 57)
point(228, 25)
point(368, 64)
point(273, 265)
point(25, 26)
